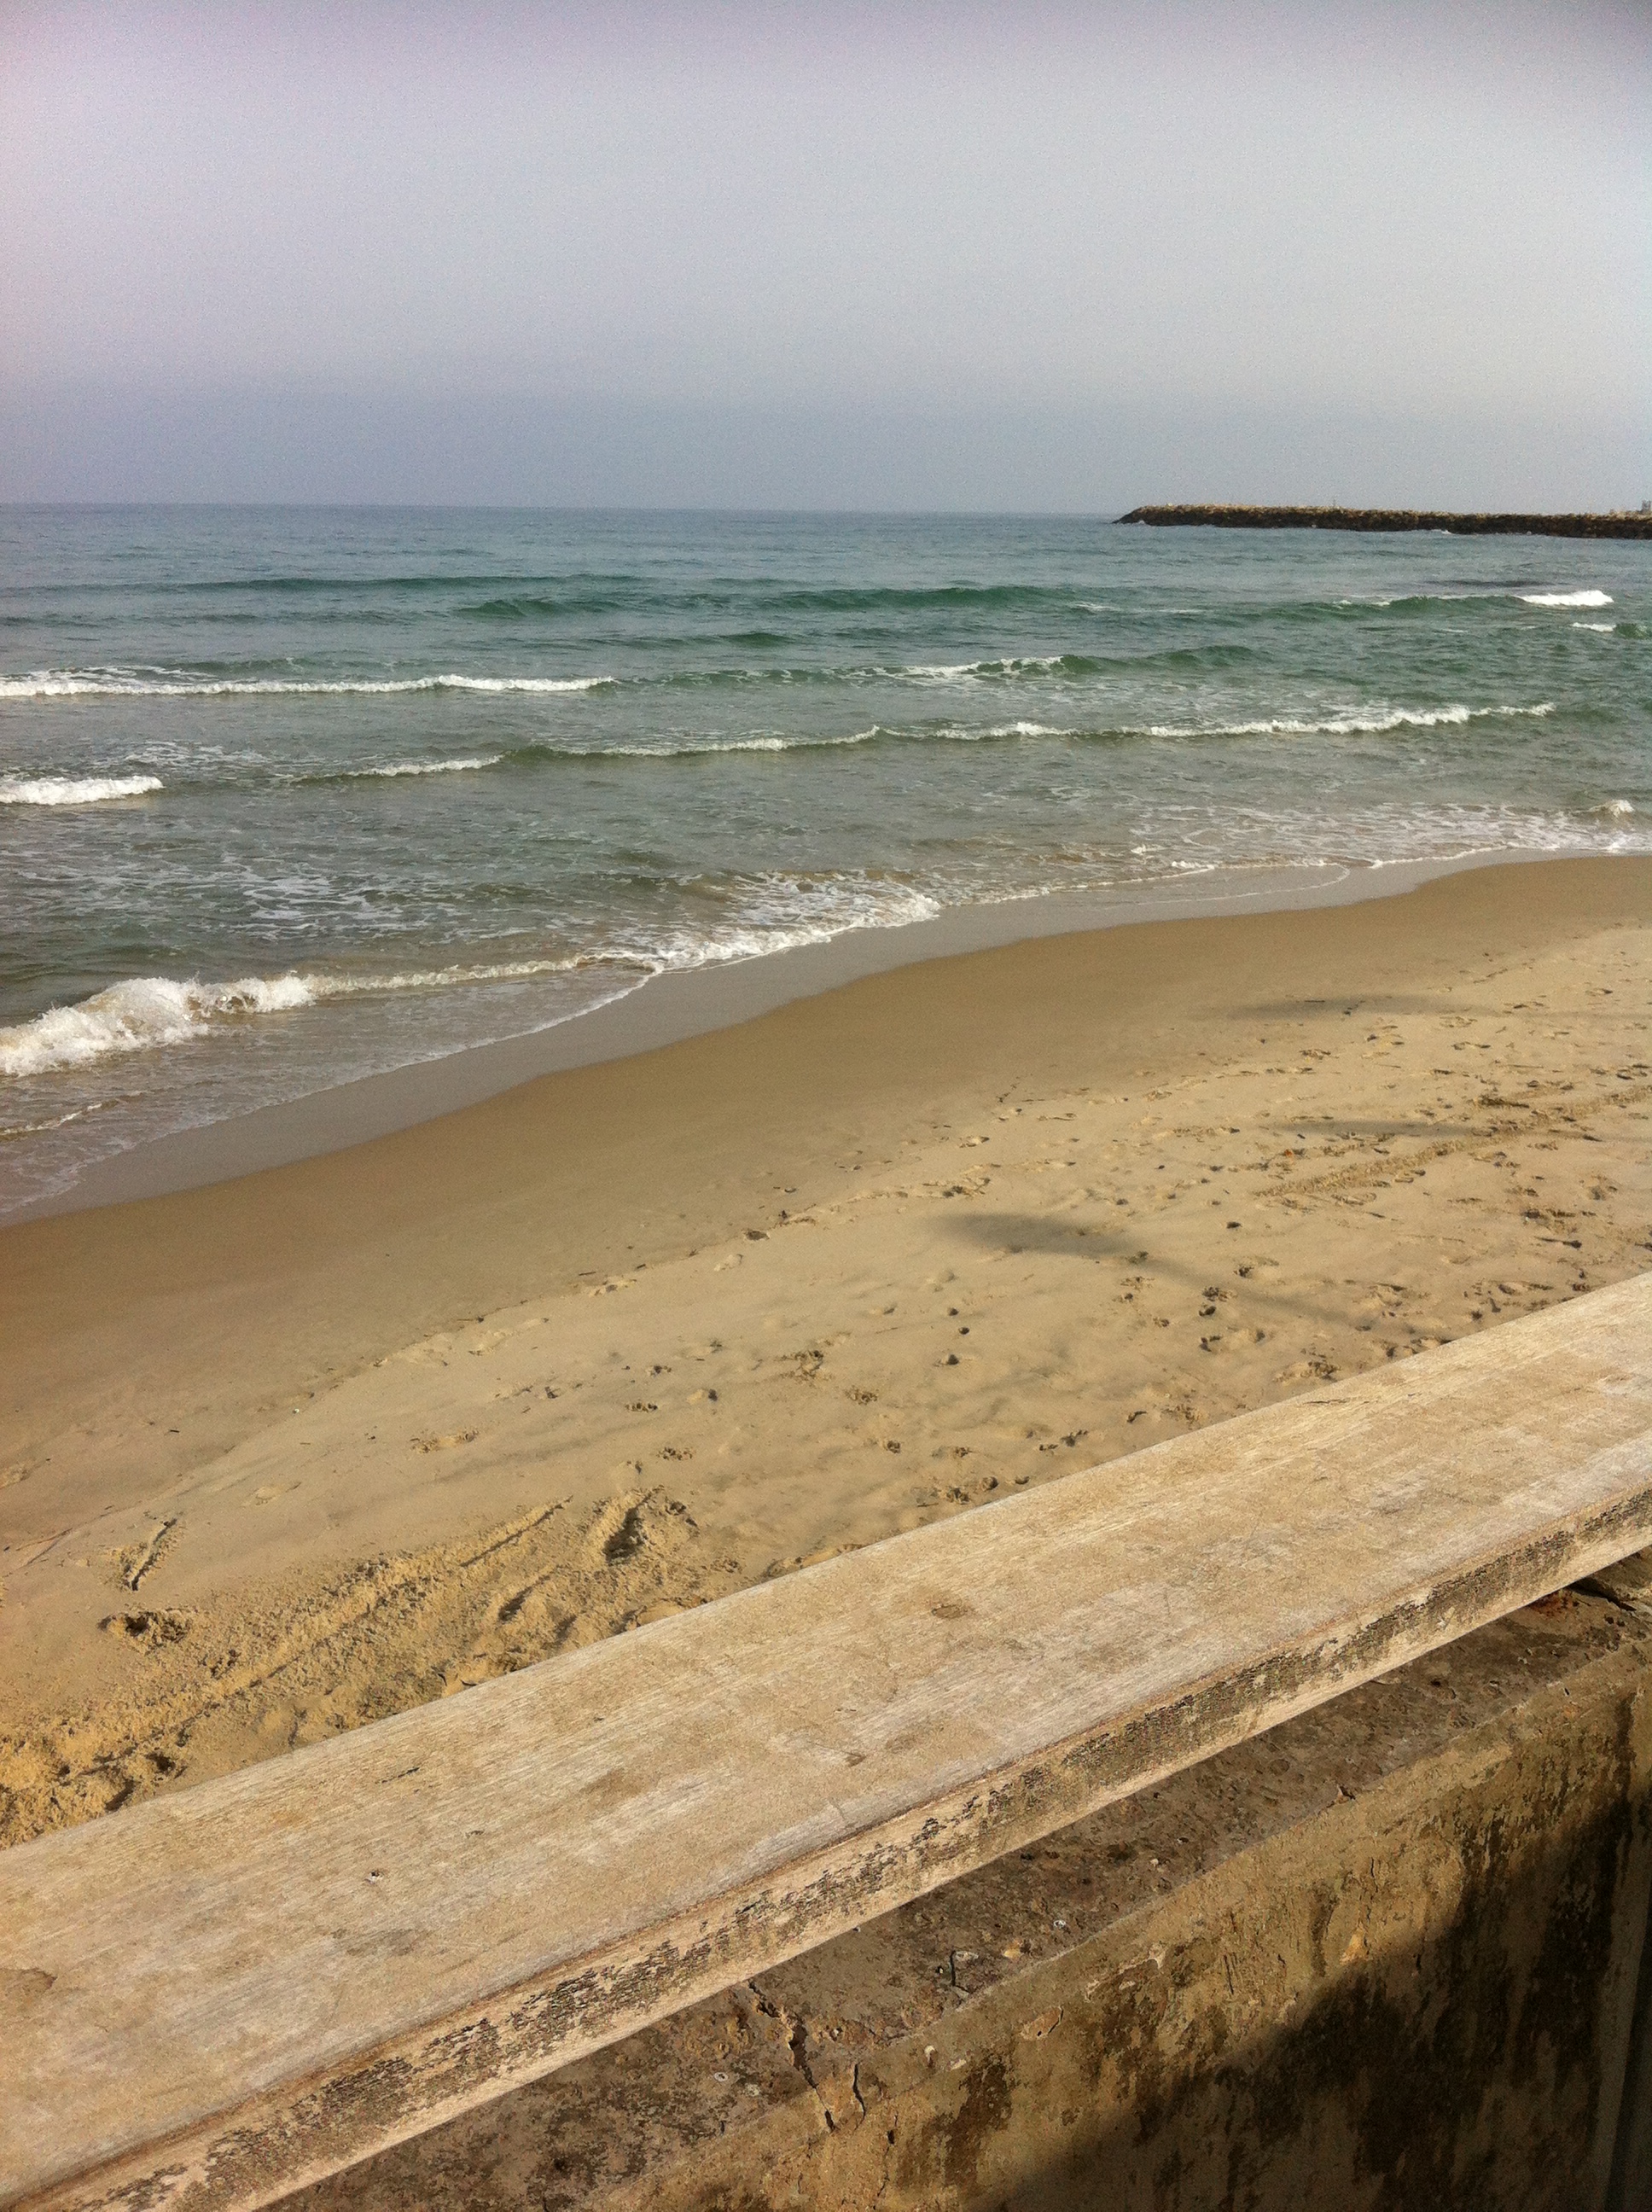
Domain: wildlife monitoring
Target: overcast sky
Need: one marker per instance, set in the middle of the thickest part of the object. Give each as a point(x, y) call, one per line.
point(1012, 256)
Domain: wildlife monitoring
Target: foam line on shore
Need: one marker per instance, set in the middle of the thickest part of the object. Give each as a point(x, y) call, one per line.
point(675, 1002)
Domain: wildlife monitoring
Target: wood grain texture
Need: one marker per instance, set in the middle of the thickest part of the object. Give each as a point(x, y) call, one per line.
point(211, 1998)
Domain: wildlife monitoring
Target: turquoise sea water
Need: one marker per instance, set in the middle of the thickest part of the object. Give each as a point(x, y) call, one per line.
point(287, 796)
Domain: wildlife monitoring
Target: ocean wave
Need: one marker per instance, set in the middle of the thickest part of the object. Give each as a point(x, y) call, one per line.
point(47, 685)
point(10, 1132)
point(121, 683)
point(864, 599)
point(861, 673)
point(782, 913)
point(135, 1016)
point(537, 597)
point(72, 790)
point(513, 608)
point(960, 734)
point(421, 768)
point(922, 672)
point(178, 683)
point(150, 1011)
point(717, 748)
point(352, 586)
point(1463, 594)
point(771, 914)
point(587, 590)
point(1603, 629)
point(1614, 810)
point(1356, 605)
point(1350, 722)
point(948, 671)
point(700, 749)
point(1466, 594)
point(1355, 722)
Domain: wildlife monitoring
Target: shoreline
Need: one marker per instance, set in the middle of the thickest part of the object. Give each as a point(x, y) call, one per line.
point(675, 1004)
point(285, 1453)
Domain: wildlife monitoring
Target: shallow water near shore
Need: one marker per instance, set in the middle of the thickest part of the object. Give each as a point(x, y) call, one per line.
point(290, 797)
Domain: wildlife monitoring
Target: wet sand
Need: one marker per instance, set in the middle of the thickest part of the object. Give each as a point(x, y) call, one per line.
point(284, 1454)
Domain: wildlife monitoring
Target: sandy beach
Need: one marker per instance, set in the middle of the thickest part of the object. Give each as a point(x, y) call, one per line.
point(287, 1453)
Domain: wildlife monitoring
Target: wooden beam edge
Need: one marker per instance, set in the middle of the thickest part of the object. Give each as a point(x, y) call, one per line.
point(310, 2129)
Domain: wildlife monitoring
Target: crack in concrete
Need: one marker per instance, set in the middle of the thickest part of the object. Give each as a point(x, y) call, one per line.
point(796, 2033)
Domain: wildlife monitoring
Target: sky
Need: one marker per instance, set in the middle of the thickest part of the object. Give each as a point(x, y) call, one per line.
point(1027, 258)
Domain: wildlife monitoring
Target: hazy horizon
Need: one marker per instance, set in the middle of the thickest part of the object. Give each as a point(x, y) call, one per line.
point(1047, 259)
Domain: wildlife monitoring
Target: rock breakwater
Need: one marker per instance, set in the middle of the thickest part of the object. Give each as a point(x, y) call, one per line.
point(1637, 524)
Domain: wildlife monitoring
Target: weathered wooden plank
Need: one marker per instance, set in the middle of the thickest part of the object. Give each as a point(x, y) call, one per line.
point(211, 1997)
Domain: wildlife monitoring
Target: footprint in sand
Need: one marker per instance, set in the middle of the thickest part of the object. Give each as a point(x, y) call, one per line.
point(133, 1561)
point(149, 1630)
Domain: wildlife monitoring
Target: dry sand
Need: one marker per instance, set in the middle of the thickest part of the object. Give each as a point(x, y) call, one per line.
point(289, 1452)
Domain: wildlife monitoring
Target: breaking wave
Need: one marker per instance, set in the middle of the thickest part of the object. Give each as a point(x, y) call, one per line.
point(134, 1015)
point(1353, 721)
point(124, 683)
point(1566, 599)
point(425, 767)
point(149, 1011)
point(72, 790)
point(1350, 722)
point(1371, 721)
point(773, 914)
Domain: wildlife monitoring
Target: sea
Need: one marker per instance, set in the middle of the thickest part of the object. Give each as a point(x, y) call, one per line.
point(289, 796)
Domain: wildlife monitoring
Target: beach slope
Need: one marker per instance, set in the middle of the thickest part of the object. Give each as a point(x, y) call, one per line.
point(294, 1451)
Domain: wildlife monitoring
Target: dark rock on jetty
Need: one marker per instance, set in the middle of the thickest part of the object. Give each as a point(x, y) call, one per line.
point(1381, 518)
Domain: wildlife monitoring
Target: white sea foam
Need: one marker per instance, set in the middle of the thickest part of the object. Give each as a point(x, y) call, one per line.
point(1356, 722)
point(1353, 722)
point(17, 1129)
point(775, 914)
point(951, 671)
point(72, 790)
point(1616, 810)
point(1463, 596)
point(149, 1011)
point(1606, 629)
point(128, 683)
point(782, 913)
point(1566, 599)
point(430, 767)
point(439, 978)
point(134, 1015)
point(711, 747)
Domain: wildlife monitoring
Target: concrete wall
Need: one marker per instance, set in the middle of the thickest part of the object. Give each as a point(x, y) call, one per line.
point(1387, 1956)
